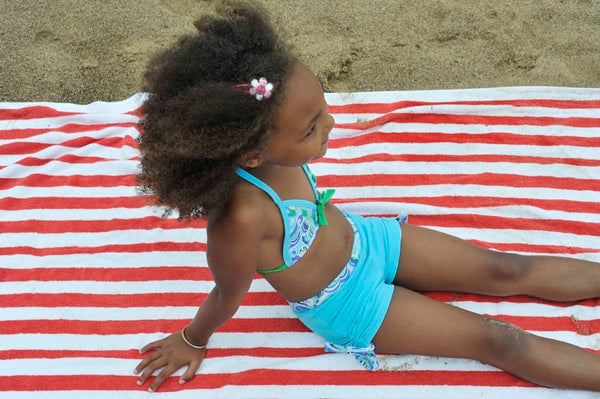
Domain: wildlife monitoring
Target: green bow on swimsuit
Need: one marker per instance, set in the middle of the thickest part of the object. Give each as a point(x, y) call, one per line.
point(323, 198)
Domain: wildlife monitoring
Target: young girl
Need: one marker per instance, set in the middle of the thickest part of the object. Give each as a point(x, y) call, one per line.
point(231, 122)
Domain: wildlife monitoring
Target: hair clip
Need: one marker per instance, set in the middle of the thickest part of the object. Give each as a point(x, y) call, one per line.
point(259, 88)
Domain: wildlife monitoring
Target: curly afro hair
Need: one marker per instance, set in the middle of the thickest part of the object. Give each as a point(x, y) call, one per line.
point(196, 123)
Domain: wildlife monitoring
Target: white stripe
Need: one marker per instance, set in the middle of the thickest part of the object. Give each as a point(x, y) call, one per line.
point(69, 192)
point(59, 121)
point(237, 364)
point(80, 214)
point(96, 107)
point(191, 258)
point(440, 190)
point(379, 207)
point(343, 192)
point(511, 236)
point(144, 313)
point(114, 237)
point(57, 138)
point(118, 287)
point(488, 110)
point(117, 168)
point(332, 391)
point(232, 364)
point(107, 259)
point(515, 211)
point(552, 131)
point(106, 154)
point(133, 237)
point(132, 341)
point(368, 149)
point(483, 94)
point(217, 340)
point(399, 168)
point(527, 309)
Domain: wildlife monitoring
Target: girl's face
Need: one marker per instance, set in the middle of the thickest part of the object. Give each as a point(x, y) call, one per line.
point(302, 123)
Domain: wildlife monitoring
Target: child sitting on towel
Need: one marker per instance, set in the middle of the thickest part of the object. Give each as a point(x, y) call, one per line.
point(230, 124)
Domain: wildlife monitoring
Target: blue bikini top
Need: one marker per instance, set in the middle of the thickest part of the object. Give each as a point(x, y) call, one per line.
point(301, 218)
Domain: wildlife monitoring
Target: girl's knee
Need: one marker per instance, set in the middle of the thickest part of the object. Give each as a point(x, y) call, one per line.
point(501, 341)
point(505, 267)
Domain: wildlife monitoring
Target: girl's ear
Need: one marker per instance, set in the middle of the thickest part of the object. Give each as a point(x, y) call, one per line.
point(251, 160)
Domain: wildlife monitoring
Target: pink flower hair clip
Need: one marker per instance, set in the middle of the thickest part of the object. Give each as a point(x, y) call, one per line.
point(259, 88)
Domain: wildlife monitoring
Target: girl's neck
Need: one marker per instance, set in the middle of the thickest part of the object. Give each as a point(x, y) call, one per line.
point(287, 181)
point(269, 171)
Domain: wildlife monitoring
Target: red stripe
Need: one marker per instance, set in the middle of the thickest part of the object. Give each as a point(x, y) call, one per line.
point(462, 138)
point(526, 159)
point(136, 112)
point(24, 147)
point(488, 179)
point(497, 222)
point(544, 323)
point(258, 377)
point(42, 180)
point(118, 327)
point(212, 353)
point(383, 108)
point(463, 119)
point(485, 179)
point(13, 204)
point(115, 248)
point(536, 249)
point(128, 300)
point(275, 324)
point(266, 298)
point(135, 354)
point(194, 273)
point(444, 296)
point(68, 128)
point(33, 112)
point(151, 222)
point(71, 159)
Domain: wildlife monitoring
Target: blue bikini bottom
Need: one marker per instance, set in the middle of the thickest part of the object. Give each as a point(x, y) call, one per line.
point(350, 310)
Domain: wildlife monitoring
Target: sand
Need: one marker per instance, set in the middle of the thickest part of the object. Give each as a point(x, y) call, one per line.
point(85, 50)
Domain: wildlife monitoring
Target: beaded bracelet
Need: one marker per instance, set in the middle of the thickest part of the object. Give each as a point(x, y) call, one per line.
point(189, 343)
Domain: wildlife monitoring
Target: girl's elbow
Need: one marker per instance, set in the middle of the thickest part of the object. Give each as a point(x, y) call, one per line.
point(228, 301)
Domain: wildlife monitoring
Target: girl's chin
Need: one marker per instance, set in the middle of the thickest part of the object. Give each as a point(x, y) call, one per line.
point(321, 153)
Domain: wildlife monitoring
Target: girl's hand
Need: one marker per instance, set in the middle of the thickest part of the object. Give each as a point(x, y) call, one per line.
point(172, 353)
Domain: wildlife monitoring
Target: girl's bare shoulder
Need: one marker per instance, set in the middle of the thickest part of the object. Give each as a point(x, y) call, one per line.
point(244, 213)
point(233, 238)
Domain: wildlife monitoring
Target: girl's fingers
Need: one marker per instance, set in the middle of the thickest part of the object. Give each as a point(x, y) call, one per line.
point(147, 360)
point(161, 377)
point(152, 345)
point(190, 372)
point(155, 365)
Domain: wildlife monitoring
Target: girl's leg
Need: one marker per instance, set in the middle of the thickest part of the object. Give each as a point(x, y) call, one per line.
point(419, 325)
point(431, 260)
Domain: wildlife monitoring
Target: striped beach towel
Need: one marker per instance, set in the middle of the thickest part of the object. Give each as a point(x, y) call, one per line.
point(89, 272)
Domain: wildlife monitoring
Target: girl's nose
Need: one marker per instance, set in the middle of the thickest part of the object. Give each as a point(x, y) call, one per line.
point(330, 123)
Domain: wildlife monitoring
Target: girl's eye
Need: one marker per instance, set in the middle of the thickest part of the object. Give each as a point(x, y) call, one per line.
point(311, 131)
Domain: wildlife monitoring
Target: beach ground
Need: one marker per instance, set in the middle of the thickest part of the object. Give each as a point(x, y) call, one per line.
point(83, 51)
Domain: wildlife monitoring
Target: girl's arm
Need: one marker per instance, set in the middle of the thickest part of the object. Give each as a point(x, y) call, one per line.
point(232, 253)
